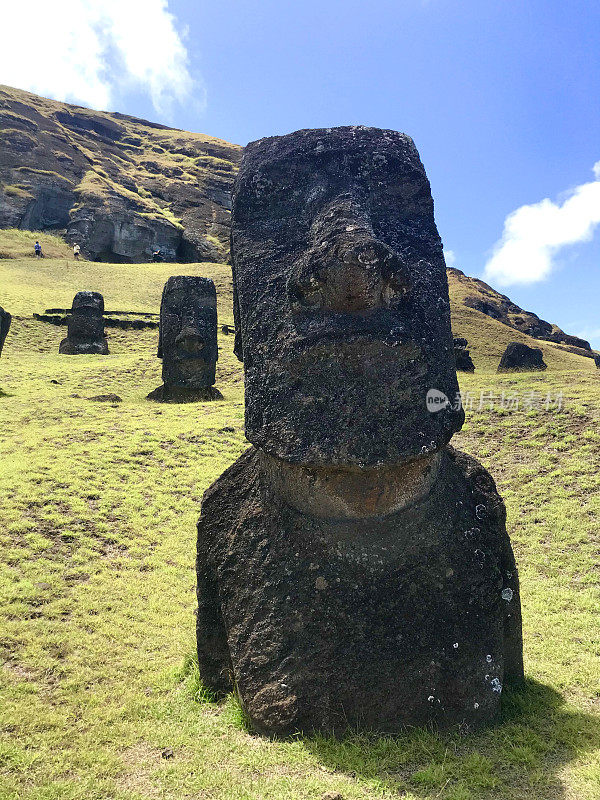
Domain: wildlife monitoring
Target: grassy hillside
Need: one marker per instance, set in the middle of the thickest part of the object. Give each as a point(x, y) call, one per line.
point(98, 504)
point(118, 185)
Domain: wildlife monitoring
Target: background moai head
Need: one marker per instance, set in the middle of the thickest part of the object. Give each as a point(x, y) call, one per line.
point(86, 321)
point(341, 299)
point(188, 332)
point(5, 320)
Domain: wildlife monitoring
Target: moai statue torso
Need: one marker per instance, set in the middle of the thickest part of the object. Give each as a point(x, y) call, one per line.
point(353, 569)
point(5, 320)
point(85, 326)
point(187, 341)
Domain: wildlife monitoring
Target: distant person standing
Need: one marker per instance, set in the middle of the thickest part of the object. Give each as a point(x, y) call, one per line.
point(38, 250)
point(76, 251)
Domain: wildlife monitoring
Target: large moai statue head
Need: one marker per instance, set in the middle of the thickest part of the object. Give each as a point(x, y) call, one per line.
point(188, 332)
point(341, 299)
point(85, 326)
point(5, 320)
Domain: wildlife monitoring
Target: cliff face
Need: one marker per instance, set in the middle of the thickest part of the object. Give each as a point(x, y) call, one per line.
point(121, 187)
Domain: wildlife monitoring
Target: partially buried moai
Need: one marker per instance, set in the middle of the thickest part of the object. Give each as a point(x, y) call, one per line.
point(85, 326)
point(353, 570)
point(187, 341)
point(5, 320)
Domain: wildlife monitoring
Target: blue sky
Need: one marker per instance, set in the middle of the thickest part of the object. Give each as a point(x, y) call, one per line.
point(500, 96)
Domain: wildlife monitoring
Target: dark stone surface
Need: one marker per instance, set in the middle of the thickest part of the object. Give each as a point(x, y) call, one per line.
point(85, 326)
point(406, 619)
point(339, 225)
point(177, 394)
point(106, 398)
point(5, 320)
point(109, 322)
point(187, 340)
point(519, 357)
point(597, 361)
point(462, 356)
point(353, 570)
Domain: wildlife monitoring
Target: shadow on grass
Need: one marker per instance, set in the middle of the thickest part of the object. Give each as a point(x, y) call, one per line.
point(521, 757)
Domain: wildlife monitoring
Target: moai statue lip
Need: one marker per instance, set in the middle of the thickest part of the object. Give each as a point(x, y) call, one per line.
point(188, 332)
point(5, 320)
point(85, 326)
point(341, 299)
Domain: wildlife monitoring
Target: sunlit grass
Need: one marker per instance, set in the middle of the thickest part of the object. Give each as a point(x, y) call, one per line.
point(98, 505)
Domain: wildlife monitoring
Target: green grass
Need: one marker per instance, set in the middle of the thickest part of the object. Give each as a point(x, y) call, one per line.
point(98, 505)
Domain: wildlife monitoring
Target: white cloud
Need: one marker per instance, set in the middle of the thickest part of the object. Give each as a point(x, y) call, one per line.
point(450, 257)
point(89, 51)
point(533, 235)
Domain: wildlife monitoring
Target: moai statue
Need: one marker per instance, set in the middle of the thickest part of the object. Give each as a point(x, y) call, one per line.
point(5, 320)
point(187, 340)
point(353, 569)
point(519, 357)
point(462, 356)
point(85, 327)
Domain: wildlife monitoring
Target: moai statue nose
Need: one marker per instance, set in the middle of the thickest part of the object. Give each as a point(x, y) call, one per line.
point(190, 340)
point(352, 273)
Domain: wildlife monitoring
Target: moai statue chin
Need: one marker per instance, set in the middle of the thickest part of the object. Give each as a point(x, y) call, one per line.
point(187, 341)
point(353, 569)
point(5, 320)
point(85, 327)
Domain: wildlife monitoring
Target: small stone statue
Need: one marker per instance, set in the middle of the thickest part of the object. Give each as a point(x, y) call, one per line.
point(462, 356)
point(353, 569)
point(5, 320)
point(519, 357)
point(187, 340)
point(85, 326)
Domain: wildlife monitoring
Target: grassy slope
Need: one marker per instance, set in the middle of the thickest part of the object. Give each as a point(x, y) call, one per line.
point(98, 504)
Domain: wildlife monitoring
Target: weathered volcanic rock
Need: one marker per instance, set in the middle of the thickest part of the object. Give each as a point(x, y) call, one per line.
point(462, 356)
point(353, 570)
point(187, 340)
point(597, 360)
point(5, 320)
point(481, 297)
point(120, 187)
point(519, 357)
point(85, 326)
point(351, 287)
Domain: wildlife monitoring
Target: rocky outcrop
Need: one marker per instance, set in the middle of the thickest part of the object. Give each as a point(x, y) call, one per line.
point(478, 295)
point(120, 187)
point(518, 357)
